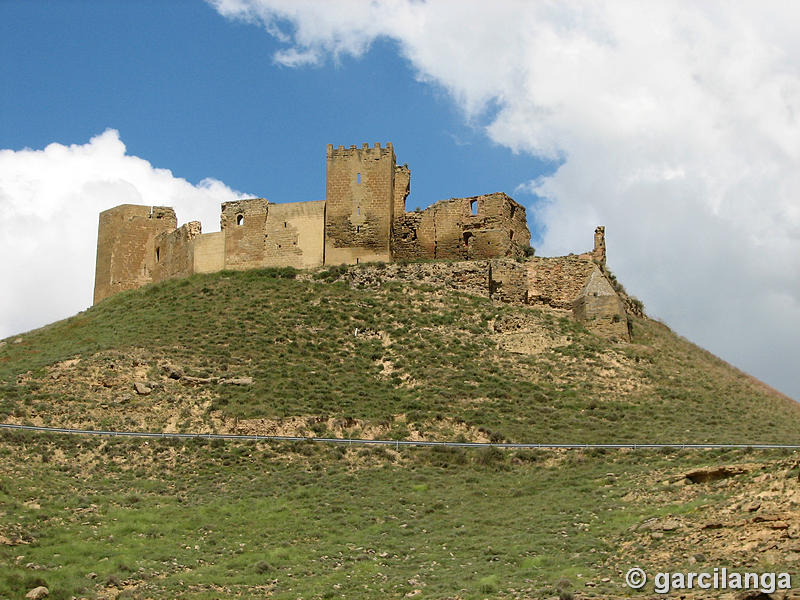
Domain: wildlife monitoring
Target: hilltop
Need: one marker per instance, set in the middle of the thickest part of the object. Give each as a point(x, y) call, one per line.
point(388, 357)
point(351, 352)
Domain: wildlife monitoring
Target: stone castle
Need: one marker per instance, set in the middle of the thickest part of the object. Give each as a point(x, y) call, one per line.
point(362, 219)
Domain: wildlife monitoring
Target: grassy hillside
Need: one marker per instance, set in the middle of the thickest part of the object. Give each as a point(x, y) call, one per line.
point(129, 518)
point(397, 360)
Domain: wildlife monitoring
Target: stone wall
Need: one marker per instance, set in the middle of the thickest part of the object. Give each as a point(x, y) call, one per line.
point(243, 223)
point(174, 252)
point(209, 252)
point(557, 281)
point(579, 286)
point(488, 226)
point(402, 187)
point(294, 234)
point(125, 248)
point(508, 281)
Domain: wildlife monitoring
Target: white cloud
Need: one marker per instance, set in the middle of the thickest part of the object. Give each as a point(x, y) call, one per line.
point(678, 124)
point(57, 193)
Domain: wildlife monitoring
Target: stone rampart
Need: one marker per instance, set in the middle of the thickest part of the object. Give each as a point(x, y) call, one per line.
point(362, 219)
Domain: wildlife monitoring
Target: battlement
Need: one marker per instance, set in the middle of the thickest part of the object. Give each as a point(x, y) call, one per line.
point(364, 151)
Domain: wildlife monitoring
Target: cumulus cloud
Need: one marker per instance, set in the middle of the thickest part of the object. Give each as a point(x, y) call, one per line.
point(57, 194)
point(676, 124)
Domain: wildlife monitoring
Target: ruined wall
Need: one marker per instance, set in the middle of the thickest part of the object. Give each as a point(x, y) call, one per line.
point(557, 281)
point(508, 281)
point(209, 252)
point(359, 192)
point(414, 236)
point(125, 249)
point(174, 252)
point(488, 226)
point(243, 223)
point(402, 187)
point(568, 283)
point(294, 235)
point(501, 279)
point(468, 276)
point(599, 251)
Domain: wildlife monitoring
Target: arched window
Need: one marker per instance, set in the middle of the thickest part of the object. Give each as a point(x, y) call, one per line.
point(240, 219)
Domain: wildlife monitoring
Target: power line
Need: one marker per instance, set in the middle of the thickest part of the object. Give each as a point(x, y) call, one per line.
point(396, 443)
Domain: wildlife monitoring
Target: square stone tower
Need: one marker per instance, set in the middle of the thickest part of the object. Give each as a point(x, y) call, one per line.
point(126, 249)
point(359, 209)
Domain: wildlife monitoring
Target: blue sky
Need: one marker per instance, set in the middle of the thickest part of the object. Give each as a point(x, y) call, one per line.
point(201, 95)
point(674, 124)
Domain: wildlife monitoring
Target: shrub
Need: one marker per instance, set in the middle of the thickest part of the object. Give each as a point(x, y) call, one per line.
point(262, 567)
point(488, 584)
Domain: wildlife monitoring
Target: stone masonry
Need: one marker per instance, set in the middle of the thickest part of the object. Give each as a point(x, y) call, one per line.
point(362, 219)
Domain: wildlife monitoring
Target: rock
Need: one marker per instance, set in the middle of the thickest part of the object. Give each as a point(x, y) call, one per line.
point(2, 344)
point(141, 388)
point(714, 474)
point(91, 575)
point(38, 592)
point(172, 372)
point(660, 525)
point(19, 341)
point(753, 506)
point(670, 525)
point(237, 381)
point(198, 380)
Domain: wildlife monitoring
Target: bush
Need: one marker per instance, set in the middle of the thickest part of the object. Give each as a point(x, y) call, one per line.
point(262, 567)
point(488, 584)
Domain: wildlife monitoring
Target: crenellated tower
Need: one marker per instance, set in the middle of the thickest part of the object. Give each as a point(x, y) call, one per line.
point(359, 208)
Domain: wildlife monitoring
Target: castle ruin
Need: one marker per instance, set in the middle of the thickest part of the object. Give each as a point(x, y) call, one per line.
point(362, 219)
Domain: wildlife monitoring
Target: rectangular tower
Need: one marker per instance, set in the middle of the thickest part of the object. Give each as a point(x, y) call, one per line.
point(359, 207)
point(126, 252)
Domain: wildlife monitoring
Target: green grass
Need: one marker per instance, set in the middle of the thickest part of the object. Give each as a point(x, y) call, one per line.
point(316, 348)
point(201, 519)
point(169, 519)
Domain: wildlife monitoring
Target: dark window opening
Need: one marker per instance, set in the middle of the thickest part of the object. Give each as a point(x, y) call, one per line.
point(467, 238)
point(158, 254)
point(473, 205)
point(358, 228)
point(357, 261)
point(513, 210)
point(240, 219)
point(511, 234)
point(284, 224)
